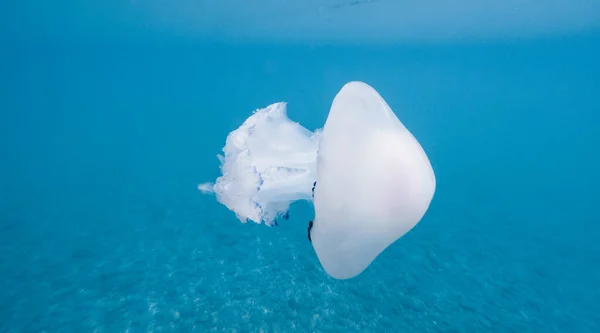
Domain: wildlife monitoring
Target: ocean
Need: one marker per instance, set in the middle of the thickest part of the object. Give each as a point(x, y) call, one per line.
point(103, 229)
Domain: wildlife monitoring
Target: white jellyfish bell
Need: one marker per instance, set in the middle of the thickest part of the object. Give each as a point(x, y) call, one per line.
point(374, 182)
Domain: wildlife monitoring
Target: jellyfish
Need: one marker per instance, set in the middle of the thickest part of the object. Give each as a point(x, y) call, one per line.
point(367, 176)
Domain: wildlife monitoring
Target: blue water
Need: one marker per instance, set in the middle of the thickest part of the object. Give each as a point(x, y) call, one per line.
point(102, 228)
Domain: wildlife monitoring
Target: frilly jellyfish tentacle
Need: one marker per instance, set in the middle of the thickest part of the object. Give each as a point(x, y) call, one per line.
point(267, 163)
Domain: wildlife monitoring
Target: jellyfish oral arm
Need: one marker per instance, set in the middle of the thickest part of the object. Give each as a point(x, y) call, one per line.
point(267, 163)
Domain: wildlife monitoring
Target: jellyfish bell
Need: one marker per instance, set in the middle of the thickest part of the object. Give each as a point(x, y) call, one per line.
point(374, 182)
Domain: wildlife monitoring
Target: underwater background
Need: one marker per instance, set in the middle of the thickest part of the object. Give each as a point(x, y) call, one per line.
point(102, 228)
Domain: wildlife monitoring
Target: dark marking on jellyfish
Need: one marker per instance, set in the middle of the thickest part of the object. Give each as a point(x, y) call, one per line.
point(286, 216)
point(260, 179)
